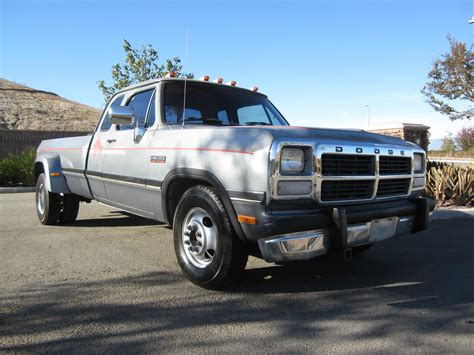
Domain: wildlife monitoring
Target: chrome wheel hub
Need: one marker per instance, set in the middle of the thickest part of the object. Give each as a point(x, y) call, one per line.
point(199, 237)
point(41, 199)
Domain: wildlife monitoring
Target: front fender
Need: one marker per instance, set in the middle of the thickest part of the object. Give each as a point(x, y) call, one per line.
point(50, 164)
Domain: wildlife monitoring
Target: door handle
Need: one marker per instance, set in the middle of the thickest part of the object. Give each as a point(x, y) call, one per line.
point(111, 140)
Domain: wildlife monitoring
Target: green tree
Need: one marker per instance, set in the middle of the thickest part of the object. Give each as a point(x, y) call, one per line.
point(448, 144)
point(465, 138)
point(140, 65)
point(450, 89)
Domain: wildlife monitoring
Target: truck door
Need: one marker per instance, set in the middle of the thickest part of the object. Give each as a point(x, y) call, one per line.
point(95, 157)
point(125, 161)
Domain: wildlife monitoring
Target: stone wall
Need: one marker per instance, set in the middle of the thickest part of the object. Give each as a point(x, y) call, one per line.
point(14, 141)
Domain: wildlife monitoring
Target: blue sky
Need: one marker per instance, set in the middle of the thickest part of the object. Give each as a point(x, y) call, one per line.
point(320, 62)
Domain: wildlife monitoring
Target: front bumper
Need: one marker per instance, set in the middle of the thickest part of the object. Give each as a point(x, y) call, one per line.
point(341, 228)
point(307, 245)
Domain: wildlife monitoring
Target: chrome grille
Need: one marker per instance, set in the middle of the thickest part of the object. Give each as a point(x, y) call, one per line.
point(347, 165)
point(394, 165)
point(393, 187)
point(348, 171)
point(346, 190)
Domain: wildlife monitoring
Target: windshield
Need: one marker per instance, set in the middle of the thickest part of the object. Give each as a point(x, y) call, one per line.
point(218, 105)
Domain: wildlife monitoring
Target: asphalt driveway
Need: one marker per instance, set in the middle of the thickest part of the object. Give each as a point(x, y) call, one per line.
point(111, 283)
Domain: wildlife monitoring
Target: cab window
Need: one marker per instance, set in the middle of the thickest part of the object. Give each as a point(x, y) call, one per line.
point(139, 106)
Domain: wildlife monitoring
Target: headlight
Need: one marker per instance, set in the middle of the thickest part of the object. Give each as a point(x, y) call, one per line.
point(292, 160)
point(418, 163)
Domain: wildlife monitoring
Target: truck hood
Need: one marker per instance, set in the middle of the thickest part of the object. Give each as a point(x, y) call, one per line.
point(254, 138)
point(338, 135)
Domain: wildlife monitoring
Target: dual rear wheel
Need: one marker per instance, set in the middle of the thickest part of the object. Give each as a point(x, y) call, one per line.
point(53, 208)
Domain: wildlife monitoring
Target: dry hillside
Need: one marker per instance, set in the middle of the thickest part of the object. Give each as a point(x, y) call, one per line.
point(22, 107)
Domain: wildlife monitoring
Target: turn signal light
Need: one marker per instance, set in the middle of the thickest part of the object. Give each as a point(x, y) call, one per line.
point(219, 80)
point(204, 78)
point(171, 74)
point(55, 174)
point(246, 219)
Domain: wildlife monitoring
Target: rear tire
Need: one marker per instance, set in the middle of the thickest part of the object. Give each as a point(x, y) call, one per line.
point(48, 204)
point(70, 209)
point(208, 251)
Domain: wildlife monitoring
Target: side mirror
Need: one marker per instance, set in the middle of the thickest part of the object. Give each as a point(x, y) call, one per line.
point(121, 115)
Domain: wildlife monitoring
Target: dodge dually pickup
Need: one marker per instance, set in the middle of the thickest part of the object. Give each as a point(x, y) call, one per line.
point(222, 167)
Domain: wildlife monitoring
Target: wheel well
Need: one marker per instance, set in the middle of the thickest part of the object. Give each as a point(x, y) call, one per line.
point(39, 169)
point(175, 190)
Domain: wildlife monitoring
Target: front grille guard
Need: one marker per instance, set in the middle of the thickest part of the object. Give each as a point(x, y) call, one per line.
point(317, 178)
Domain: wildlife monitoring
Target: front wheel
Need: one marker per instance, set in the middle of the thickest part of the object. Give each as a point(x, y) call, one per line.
point(208, 251)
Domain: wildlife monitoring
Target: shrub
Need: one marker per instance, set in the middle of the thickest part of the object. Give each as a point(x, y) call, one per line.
point(450, 185)
point(18, 168)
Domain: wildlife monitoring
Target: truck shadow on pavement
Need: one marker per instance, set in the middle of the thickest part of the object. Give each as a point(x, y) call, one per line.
point(385, 293)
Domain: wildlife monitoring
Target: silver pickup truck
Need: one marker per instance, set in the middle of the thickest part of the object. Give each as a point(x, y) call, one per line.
point(223, 167)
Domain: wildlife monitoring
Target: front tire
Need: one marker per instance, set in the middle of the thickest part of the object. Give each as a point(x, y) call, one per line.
point(208, 251)
point(361, 249)
point(48, 204)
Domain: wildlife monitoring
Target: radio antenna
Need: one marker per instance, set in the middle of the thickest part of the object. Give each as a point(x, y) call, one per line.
point(185, 77)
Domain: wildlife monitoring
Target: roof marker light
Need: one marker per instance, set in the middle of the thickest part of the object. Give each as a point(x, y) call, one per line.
point(204, 78)
point(232, 83)
point(255, 88)
point(219, 80)
point(171, 74)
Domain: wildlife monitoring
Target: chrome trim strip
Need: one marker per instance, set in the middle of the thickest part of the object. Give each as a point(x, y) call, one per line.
point(123, 182)
point(151, 187)
point(246, 195)
point(244, 200)
point(73, 173)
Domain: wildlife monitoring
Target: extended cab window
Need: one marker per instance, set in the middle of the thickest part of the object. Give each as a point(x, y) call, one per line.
point(139, 105)
point(105, 126)
point(217, 105)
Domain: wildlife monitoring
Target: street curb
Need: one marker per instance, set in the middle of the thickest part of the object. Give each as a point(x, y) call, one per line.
point(7, 190)
point(455, 213)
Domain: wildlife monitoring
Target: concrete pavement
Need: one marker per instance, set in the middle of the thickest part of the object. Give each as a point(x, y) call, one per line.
point(110, 283)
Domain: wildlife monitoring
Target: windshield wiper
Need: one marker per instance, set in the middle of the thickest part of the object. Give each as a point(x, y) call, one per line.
point(215, 121)
point(257, 123)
